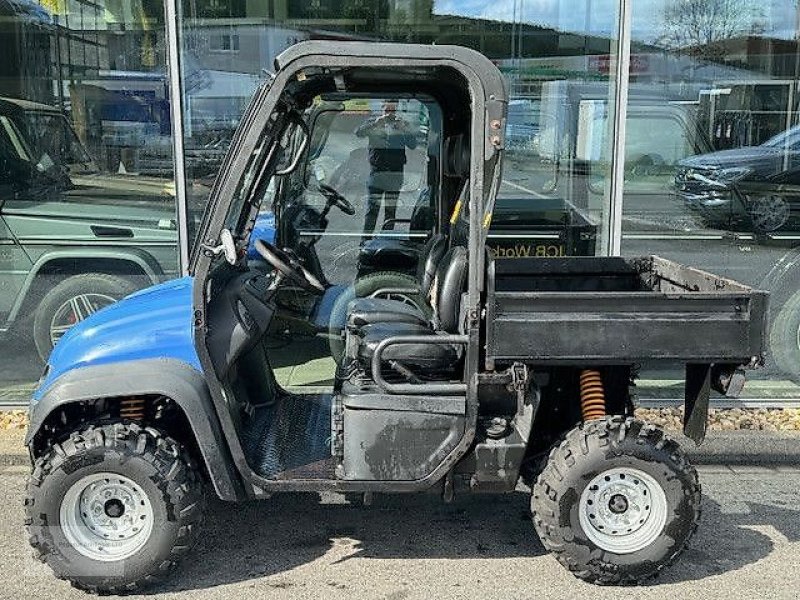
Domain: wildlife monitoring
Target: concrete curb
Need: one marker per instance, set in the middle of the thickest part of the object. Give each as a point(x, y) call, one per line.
point(744, 448)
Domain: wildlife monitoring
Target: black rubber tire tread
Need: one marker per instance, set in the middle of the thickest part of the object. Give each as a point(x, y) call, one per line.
point(173, 473)
point(104, 283)
point(601, 442)
point(362, 287)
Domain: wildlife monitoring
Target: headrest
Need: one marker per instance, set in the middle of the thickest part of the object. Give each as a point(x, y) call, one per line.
point(456, 156)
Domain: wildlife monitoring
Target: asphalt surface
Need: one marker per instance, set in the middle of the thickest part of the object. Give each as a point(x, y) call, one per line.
point(301, 546)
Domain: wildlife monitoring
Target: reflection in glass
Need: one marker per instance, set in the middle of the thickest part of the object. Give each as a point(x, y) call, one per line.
point(87, 211)
point(712, 160)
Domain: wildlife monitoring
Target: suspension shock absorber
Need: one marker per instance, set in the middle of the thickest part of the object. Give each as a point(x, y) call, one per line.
point(132, 409)
point(593, 396)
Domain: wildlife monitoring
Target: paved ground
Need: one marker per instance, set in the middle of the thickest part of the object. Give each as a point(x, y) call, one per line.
point(297, 546)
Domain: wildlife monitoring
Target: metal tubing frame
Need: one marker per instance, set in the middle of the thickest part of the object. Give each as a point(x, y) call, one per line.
point(416, 388)
point(611, 236)
point(171, 13)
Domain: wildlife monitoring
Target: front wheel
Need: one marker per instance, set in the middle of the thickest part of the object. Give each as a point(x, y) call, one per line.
point(616, 502)
point(113, 507)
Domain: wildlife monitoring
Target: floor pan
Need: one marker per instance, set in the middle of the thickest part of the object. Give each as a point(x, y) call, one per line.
point(291, 439)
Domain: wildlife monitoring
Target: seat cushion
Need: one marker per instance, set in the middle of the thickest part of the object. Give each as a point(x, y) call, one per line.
point(431, 357)
point(365, 311)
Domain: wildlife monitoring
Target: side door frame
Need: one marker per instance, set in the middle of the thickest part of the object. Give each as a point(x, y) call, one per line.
point(488, 94)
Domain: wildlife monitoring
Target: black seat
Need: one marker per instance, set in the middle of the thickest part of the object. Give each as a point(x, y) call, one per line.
point(448, 287)
point(363, 311)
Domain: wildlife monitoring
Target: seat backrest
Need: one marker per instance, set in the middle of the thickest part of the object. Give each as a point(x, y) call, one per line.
point(422, 215)
point(429, 258)
point(450, 283)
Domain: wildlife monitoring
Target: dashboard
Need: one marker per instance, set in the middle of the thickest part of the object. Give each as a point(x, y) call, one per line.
point(238, 318)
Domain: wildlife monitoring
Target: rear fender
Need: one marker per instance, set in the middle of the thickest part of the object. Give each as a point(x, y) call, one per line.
point(162, 377)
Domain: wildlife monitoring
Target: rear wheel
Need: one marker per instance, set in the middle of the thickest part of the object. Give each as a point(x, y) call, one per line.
point(71, 301)
point(113, 507)
point(616, 502)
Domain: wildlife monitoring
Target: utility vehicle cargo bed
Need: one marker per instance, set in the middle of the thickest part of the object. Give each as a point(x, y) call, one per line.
point(613, 310)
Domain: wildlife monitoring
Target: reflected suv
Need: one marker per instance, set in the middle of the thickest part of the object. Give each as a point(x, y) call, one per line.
point(753, 188)
point(72, 239)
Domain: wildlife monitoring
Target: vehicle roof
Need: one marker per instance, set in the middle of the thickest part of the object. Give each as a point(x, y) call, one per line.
point(6, 102)
point(493, 81)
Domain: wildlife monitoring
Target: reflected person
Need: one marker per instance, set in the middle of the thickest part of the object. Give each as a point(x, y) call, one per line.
point(389, 136)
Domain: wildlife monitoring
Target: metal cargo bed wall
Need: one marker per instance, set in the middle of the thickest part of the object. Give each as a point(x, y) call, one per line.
point(612, 310)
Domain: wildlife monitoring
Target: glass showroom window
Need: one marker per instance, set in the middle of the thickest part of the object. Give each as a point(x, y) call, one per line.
point(559, 62)
point(87, 210)
point(712, 176)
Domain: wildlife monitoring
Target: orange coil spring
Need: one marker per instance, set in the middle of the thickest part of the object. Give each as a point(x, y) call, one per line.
point(132, 409)
point(593, 397)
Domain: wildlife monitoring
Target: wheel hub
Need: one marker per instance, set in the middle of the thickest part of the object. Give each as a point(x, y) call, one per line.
point(623, 510)
point(106, 516)
point(618, 504)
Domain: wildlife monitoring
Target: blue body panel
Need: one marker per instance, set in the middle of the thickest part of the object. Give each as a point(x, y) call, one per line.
point(153, 323)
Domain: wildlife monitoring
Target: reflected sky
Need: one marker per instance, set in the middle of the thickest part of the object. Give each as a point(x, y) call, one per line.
point(773, 18)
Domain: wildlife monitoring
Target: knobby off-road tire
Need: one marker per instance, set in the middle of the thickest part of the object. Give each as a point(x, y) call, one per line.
point(137, 471)
point(615, 470)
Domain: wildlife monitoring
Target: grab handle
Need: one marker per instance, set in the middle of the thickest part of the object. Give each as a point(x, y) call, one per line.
point(416, 388)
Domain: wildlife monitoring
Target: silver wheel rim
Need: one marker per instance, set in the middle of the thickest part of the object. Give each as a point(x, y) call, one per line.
point(769, 212)
point(106, 517)
point(623, 510)
point(74, 310)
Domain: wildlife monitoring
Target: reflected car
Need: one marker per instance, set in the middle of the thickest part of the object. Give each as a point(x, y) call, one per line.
point(72, 239)
point(753, 188)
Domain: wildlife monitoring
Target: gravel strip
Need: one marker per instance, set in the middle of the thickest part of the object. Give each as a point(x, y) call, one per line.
point(13, 419)
point(729, 419)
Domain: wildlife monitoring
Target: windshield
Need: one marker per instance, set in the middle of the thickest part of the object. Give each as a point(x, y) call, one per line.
point(51, 134)
point(789, 138)
point(272, 147)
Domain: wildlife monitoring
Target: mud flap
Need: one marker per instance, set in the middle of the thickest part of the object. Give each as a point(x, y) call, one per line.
point(697, 392)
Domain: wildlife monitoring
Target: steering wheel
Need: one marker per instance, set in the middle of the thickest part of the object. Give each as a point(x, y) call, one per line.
point(289, 267)
point(337, 199)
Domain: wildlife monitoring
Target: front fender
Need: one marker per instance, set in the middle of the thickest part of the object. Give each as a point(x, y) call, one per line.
point(165, 377)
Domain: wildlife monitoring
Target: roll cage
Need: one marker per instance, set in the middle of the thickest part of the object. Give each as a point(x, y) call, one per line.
point(302, 72)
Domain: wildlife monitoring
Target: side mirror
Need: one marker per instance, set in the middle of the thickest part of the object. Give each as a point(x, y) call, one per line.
point(228, 246)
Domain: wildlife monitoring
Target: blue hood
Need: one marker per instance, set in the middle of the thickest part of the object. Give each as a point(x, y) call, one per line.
point(153, 323)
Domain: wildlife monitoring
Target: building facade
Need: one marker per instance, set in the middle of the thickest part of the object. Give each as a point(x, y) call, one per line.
point(665, 127)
